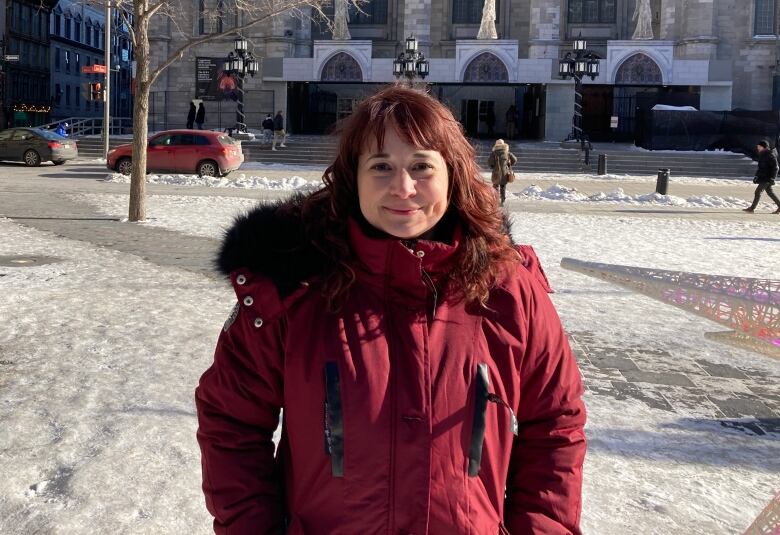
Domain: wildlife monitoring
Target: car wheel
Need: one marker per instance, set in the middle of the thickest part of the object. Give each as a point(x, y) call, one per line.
point(58, 162)
point(208, 168)
point(32, 158)
point(124, 166)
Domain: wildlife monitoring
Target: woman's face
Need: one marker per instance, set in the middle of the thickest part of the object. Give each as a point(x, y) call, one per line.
point(402, 189)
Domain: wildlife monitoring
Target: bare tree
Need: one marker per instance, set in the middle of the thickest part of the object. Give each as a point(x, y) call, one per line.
point(251, 13)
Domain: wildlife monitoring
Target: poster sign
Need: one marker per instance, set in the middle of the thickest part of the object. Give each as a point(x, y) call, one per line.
point(212, 82)
point(613, 121)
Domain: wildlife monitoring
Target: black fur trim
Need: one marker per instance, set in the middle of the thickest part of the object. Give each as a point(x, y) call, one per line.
point(270, 240)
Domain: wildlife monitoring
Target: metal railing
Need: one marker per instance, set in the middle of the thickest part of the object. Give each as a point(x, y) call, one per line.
point(93, 126)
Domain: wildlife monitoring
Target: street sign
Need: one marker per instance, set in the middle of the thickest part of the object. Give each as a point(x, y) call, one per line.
point(12, 57)
point(93, 69)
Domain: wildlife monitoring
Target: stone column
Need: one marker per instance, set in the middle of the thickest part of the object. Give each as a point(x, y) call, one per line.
point(417, 22)
point(698, 39)
point(545, 31)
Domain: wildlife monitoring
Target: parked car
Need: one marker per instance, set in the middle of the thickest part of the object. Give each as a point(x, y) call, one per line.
point(203, 152)
point(35, 145)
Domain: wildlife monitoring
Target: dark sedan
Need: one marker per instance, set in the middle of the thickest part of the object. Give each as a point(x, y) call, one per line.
point(35, 145)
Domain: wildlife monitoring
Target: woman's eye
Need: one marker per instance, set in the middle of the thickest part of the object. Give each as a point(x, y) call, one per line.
point(423, 166)
point(380, 167)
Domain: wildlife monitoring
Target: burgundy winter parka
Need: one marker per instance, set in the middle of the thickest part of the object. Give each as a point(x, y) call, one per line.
point(407, 412)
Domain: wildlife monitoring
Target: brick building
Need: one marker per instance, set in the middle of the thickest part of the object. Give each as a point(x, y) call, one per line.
point(711, 54)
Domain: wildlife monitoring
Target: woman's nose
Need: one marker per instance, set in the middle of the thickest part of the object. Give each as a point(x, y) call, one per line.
point(403, 185)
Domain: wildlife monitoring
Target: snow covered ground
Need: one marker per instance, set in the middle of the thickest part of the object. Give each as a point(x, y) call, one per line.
point(100, 353)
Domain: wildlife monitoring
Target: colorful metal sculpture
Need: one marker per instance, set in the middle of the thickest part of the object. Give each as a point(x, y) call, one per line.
point(751, 307)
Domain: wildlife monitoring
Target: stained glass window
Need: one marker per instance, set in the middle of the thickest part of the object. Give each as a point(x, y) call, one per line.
point(486, 68)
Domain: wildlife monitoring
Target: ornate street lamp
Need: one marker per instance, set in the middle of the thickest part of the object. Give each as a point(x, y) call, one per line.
point(411, 63)
point(582, 63)
point(239, 63)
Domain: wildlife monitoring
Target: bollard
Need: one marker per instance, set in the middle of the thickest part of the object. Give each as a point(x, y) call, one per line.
point(662, 184)
point(602, 164)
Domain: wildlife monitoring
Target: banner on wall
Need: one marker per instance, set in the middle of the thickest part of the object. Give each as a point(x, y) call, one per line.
point(212, 82)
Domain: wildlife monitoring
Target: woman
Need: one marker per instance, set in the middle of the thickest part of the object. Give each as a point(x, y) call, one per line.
point(501, 162)
point(426, 381)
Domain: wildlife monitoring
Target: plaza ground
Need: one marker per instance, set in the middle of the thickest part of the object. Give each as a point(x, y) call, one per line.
point(105, 337)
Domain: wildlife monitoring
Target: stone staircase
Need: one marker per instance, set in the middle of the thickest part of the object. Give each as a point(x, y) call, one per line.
point(534, 157)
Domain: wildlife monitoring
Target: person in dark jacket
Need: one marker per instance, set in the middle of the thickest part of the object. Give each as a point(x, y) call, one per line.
point(426, 382)
point(279, 133)
point(501, 162)
point(191, 115)
point(200, 117)
point(268, 128)
point(765, 176)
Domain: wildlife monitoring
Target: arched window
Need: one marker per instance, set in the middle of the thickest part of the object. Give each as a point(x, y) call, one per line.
point(603, 11)
point(216, 16)
point(764, 18)
point(639, 69)
point(486, 68)
point(342, 68)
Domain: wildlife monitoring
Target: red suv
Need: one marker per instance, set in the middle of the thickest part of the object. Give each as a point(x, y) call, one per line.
point(204, 152)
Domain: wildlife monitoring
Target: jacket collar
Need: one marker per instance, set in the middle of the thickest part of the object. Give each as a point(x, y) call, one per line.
point(395, 267)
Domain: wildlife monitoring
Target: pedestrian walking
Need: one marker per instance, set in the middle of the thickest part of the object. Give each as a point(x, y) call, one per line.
point(511, 121)
point(200, 117)
point(268, 128)
point(765, 176)
point(426, 381)
point(501, 162)
point(279, 132)
point(191, 116)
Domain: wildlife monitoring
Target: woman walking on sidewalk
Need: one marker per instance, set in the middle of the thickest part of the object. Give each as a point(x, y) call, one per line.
point(501, 162)
point(765, 176)
point(426, 381)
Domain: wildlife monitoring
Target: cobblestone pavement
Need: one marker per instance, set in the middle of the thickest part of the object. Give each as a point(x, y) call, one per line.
point(697, 389)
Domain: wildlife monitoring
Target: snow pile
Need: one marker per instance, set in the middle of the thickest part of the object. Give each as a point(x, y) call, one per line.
point(238, 181)
point(567, 194)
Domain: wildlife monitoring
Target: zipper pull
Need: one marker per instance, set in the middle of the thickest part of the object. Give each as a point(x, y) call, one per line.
point(514, 425)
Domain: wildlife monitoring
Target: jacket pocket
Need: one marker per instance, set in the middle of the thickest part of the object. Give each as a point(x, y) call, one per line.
point(334, 420)
point(481, 391)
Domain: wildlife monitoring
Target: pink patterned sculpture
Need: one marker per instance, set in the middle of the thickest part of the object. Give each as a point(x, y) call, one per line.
point(751, 307)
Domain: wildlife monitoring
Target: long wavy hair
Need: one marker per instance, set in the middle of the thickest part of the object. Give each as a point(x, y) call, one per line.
point(423, 122)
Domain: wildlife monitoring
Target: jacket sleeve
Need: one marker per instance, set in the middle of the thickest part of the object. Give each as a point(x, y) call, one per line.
point(238, 402)
point(492, 160)
point(544, 483)
point(512, 159)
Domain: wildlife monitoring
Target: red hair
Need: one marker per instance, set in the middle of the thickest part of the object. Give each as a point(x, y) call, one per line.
point(423, 122)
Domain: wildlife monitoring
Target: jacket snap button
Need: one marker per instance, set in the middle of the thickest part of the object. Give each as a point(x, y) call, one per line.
point(258, 322)
point(241, 280)
point(248, 300)
point(420, 254)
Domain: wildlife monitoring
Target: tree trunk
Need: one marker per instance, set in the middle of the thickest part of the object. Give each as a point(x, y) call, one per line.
point(137, 209)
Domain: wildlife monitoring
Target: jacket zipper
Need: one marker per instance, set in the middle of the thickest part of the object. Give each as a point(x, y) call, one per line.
point(432, 287)
point(513, 422)
point(334, 420)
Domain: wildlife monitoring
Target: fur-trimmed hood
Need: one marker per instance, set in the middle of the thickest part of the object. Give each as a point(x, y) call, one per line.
point(270, 240)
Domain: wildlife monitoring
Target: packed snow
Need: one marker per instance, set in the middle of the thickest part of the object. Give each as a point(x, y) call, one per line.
point(101, 351)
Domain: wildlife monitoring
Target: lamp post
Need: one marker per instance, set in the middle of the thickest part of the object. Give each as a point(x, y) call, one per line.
point(239, 63)
point(411, 63)
point(582, 63)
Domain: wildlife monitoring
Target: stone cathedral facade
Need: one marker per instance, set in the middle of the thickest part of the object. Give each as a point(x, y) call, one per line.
point(710, 54)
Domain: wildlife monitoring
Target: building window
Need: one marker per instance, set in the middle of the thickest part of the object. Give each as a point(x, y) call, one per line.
point(465, 11)
point(764, 20)
point(57, 53)
point(342, 68)
point(639, 69)
point(77, 97)
point(67, 61)
point(88, 33)
point(67, 95)
point(57, 24)
point(592, 11)
point(78, 62)
point(486, 67)
point(216, 16)
point(77, 30)
point(374, 12)
point(97, 37)
point(57, 94)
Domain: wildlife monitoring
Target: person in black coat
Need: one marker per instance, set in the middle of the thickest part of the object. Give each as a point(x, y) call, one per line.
point(200, 118)
point(765, 176)
point(279, 132)
point(191, 115)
